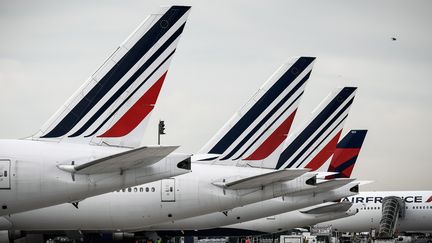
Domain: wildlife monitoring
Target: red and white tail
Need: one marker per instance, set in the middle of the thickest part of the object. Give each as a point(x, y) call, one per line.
point(113, 105)
point(316, 140)
point(259, 127)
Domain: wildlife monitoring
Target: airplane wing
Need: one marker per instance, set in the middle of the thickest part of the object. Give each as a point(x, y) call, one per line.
point(143, 156)
point(264, 179)
point(330, 208)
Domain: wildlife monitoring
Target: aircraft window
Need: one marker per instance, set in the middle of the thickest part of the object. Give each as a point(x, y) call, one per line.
point(129, 189)
point(123, 190)
point(147, 189)
point(135, 189)
point(153, 189)
point(141, 189)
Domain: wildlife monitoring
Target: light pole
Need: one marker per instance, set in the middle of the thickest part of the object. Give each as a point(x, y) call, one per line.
point(161, 130)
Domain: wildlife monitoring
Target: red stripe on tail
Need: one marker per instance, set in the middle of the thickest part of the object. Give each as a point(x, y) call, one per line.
point(324, 154)
point(133, 117)
point(341, 155)
point(273, 141)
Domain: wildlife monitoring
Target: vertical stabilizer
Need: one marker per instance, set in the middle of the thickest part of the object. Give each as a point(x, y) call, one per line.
point(346, 154)
point(113, 105)
point(312, 145)
point(260, 126)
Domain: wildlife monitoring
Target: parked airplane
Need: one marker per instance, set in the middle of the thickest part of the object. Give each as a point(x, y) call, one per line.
point(90, 145)
point(94, 219)
point(365, 212)
point(326, 191)
point(343, 162)
point(417, 212)
point(208, 188)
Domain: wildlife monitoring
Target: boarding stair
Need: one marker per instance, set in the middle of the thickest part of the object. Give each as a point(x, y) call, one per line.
point(393, 209)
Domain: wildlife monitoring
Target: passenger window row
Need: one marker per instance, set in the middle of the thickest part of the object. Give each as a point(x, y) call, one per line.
point(136, 189)
point(370, 208)
point(414, 207)
point(422, 207)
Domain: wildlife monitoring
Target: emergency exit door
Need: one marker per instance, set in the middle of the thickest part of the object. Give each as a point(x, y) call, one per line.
point(4, 174)
point(168, 190)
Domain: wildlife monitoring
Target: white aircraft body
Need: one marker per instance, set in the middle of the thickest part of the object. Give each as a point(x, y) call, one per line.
point(209, 188)
point(184, 196)
point(261, 209)
point(294, 219)
point(324, 130)
point(91, 145)
point(418, 212)
point(345, 155)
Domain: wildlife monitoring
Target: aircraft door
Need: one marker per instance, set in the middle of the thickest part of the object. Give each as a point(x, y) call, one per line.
point(168, 190)
point(5, 174)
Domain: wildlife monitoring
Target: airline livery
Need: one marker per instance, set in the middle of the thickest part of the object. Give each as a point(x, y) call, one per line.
point(342, 161)
point(208, 188)
point(85, 169)
point(91, 145)
point(211, 188)
point(327, 123)
point(417, 212)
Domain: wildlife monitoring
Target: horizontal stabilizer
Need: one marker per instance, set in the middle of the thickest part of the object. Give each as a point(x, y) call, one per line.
point(334, 184)
point(362, 183)
point(323, 174)
point(264, 179)
point(204, 157)
point(330, 208)
point(325, 186)
point(143, 156)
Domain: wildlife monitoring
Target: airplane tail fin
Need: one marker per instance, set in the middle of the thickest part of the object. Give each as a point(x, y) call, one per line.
point(260, 126)
point(346, 153)
point(113, 105)
point(316, 139)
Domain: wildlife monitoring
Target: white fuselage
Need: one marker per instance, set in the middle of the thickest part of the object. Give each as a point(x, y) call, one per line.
point(289, 220)
point(257, 210)
point(184, 196)
point(34, 181)
point(418, 212)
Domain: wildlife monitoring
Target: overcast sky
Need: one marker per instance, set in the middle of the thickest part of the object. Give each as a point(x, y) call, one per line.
point(228, 49)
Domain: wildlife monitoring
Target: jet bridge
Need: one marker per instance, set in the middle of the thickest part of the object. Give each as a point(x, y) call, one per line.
point(393, 209)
